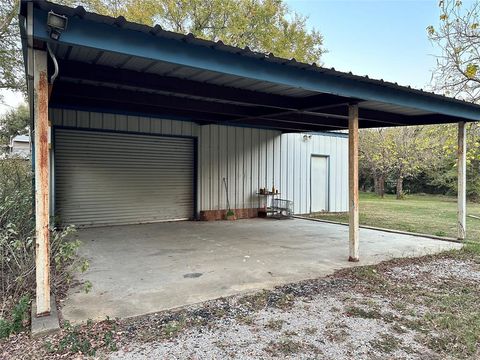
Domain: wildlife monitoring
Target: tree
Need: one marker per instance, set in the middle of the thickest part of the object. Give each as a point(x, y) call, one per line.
point(397, 153)
point(374, 159)
point(458, 38)
point(11, 61)
point(458, 74)
point(14, 122)
point(410, 151)
point(262, 25)
point(443, 172)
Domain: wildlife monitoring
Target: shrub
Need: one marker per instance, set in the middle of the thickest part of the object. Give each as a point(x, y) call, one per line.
point(17, 244)
point(18, 318)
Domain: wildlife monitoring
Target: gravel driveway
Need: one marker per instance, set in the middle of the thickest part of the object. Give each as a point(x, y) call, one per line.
point(327, 319)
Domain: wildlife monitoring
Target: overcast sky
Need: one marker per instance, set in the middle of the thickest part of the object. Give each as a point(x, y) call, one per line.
point(379, 38)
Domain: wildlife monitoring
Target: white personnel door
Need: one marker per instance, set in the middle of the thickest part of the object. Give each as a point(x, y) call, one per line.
point(319, 184)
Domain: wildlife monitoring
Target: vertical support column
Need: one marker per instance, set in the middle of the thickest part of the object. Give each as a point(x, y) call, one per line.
point(462, 181)
point(353, 181)
point(42, 181)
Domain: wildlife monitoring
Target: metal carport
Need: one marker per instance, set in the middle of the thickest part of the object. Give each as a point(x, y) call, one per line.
point(111, 65)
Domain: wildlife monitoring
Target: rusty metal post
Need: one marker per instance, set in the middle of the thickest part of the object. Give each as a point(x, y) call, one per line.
point(41, 132)
point(462, 181)
point(353, 182)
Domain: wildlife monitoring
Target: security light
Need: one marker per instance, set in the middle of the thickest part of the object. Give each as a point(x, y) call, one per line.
point(57, 23)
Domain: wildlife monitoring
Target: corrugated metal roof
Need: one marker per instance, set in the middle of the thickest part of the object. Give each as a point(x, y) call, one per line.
point(213, 87)
point(124, 62)
point(148, 66)
point(376, 105)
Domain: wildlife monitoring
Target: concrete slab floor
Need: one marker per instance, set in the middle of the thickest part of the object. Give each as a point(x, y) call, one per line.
point(140, 269)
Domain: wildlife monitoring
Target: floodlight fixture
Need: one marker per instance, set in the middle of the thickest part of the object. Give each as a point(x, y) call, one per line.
point(57, 23)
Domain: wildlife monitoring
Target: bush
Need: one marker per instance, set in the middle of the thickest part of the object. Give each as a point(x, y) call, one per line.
point(19, 317)
point(17, 242)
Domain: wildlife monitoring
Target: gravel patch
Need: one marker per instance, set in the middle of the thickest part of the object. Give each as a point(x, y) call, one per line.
point(319, 327)
point(438, 270)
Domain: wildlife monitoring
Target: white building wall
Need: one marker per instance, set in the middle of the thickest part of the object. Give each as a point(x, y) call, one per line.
point(296, 154)
point(245, 157)
point(248, 158)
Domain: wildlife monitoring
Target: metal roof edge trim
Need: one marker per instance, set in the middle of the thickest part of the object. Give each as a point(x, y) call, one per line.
point(328, 133)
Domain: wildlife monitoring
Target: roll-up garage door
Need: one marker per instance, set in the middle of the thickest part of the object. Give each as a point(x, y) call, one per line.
point(106, 178)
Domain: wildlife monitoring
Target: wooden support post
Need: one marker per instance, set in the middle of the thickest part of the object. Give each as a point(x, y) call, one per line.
point(42, 186)
point(462, 181)
point(353, 181)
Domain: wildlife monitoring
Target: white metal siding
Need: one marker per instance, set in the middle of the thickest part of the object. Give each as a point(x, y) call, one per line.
point(106, 178)
point(296, 152)
point(118, 122)
point(245, 157)
point(248, 158)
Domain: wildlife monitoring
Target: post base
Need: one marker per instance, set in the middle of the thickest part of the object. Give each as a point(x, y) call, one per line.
point(352, 259)
point(46, 324)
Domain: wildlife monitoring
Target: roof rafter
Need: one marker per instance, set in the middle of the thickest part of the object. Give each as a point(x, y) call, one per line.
point(167, 84)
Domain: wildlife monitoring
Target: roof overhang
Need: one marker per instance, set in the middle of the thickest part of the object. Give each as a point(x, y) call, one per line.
point(109, 64)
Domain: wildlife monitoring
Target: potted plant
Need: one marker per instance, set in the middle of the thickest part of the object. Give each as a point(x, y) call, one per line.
point(230, 215)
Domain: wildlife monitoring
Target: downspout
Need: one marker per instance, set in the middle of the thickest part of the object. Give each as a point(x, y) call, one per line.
point(52, 159)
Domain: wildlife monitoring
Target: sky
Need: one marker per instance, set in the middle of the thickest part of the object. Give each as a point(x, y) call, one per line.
point(384, 39)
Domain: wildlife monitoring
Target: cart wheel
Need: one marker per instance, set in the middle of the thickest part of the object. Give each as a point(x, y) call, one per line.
point(284, 213)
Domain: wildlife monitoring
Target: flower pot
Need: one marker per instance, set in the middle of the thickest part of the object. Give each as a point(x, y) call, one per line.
point(230, 217)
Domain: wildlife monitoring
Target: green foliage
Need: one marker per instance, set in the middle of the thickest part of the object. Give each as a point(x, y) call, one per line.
point(74, 341)
point(443, 169)
point(425, 156)
point(457, 36)
point(86, 340)
point(262, 25)
point(11, 63)
point(17, 230)
point(18, 317)
point(395, 153)
point(14, 122)
point(4, 328)
point(87, 286)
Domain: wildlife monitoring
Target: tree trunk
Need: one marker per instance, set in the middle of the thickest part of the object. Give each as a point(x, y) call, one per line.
point(400, 187)
point(379, 183)
point(375, 184)
point(381, 186)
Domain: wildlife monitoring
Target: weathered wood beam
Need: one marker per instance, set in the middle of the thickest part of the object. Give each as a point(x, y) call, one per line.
point(353, 182)
point(462, 181)
point(42, 186)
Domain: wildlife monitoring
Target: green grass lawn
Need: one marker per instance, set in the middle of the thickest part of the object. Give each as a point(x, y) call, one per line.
point(426, 214)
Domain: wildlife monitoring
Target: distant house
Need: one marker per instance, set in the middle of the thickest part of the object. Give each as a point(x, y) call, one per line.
point(20, 146)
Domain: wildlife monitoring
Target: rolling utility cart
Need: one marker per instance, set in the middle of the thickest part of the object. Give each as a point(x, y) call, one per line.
point(273, 206)
point(282, 208)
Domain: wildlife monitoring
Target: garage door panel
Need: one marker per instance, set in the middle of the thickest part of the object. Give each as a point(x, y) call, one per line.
point(112, 178)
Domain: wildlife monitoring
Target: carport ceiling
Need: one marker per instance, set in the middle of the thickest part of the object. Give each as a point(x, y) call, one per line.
point(111, 65)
